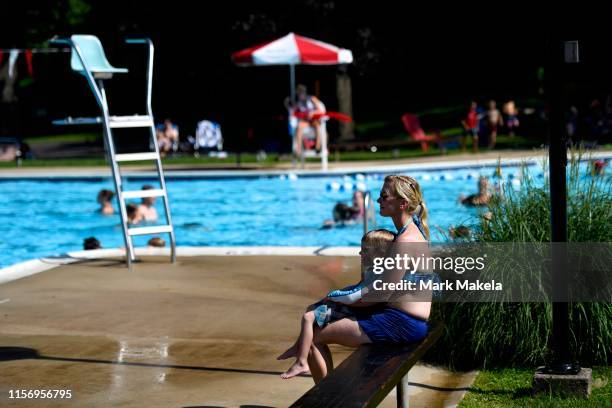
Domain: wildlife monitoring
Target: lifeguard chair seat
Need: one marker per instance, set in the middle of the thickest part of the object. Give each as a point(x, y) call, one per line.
point(94, 57)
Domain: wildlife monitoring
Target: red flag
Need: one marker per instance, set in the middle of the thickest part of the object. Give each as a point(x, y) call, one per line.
point(1, 55)
point(331, 115)
point(28, 57)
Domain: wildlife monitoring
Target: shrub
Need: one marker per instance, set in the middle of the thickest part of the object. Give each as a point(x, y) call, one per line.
point(517, 334)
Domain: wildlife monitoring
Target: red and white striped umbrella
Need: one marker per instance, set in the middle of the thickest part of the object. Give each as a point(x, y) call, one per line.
point(293, 49)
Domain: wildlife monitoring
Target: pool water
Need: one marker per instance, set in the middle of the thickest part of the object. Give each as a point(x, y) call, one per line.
point(40, 218)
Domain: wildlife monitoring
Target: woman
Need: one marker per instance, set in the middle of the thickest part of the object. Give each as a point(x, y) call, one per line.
point(395, 320)
point(305, 107)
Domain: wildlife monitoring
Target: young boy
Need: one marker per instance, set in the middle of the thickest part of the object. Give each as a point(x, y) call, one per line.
point(333, 307)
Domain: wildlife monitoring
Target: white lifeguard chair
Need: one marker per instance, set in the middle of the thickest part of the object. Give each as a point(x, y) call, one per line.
point(88, 59)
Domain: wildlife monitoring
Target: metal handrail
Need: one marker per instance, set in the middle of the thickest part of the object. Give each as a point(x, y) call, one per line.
point(148, 42)
point(160, 170)
point(367, 206)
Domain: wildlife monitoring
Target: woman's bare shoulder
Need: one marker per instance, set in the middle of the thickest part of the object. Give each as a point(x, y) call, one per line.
point(411, 238)
point(411, 235)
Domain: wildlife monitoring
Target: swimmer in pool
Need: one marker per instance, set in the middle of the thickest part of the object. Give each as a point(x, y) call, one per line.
point(344, 214)
point(133, 214)
point(147, 207)
point(104, 199)
point(482, 197)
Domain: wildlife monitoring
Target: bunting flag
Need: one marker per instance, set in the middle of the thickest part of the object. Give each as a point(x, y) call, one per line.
point(13, 54)
point(28, 57)
point(12, 60)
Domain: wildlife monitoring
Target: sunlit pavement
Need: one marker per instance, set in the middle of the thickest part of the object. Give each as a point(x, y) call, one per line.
point(202, 332)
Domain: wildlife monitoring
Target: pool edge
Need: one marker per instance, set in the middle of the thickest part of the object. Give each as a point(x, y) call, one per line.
point(38, 265)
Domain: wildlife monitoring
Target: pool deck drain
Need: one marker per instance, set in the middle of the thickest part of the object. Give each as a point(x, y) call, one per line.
point(202, 332)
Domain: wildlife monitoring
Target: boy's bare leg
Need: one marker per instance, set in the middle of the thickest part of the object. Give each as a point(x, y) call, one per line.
point(303, 344)
point(292, 351)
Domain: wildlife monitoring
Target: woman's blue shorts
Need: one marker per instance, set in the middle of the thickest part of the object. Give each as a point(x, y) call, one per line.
point(389, 325)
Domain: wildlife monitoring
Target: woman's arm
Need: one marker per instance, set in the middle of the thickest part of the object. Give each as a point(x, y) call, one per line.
point(319, 107)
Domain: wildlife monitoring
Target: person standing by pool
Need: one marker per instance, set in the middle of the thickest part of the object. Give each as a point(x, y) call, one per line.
point(511, 112)
point(104, 199)
point(389, 319)
point(470, 126)
point(147, 207)
point(494, 121)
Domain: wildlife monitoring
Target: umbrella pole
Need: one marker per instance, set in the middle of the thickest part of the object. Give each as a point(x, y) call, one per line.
point(292, 82)
point(292, 103)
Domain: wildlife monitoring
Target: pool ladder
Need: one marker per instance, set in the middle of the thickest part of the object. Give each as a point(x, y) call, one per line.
point(369, 212)
point(88, 59)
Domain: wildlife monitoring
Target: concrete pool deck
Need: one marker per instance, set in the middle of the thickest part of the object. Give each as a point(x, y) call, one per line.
point(202, 332)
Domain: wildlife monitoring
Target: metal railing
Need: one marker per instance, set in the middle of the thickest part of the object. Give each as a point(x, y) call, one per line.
point(369, 212)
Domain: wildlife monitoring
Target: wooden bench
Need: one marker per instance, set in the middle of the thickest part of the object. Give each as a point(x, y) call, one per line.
point(366, 377)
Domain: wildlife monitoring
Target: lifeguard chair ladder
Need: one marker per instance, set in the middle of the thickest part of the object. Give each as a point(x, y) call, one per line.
point(89, 60)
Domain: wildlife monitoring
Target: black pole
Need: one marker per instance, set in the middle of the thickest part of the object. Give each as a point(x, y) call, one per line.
point(559, 53)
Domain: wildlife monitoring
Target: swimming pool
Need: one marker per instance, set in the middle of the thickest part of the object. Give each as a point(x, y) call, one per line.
point(44, 217)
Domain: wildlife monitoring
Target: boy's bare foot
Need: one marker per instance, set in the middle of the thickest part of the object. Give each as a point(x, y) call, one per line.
point(290, 352)
point(297, 368)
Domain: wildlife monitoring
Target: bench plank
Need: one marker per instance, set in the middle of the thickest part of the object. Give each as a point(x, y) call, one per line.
point(366, 377)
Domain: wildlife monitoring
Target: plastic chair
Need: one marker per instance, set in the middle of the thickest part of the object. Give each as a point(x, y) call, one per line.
point(413, 127)
point(93, 55)
point(208, 136)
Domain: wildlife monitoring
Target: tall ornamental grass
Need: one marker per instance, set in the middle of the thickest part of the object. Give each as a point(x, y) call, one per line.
point(517, 334)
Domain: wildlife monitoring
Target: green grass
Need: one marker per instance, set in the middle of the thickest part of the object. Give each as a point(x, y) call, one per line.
point(512, 388)
point(245, 158)
point(65, 138)
point(457, 110)
point(72, 162)
point(101, 161)
point(503, 142)
point(364, 127)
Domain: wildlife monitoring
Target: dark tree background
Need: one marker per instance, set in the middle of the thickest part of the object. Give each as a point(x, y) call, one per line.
point(406, 59)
